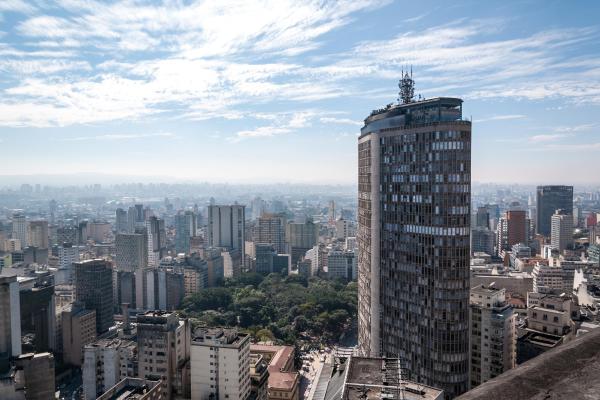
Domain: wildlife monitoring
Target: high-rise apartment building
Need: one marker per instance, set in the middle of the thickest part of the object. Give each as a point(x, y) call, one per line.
point(19, 229)
point(67, 256)
point(185, 228)
point(121, 224)
point(513, 228)
point(226, 227)
point(94, 288)
point(271, 230)
point(341, 265)
point(38, 234)
point(131, 251)
point(414, 178)
point(163, 350)
point(157, 240)
point(220, 364)
point(10, 320)
point(550, 199)
point(561, 233)
point(301, 237)
point(482, 218)
point(493, 334)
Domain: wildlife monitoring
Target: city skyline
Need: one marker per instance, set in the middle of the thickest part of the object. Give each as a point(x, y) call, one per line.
point(189, 91)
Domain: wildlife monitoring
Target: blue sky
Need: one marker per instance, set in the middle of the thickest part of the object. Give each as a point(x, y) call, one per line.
point(275, 91)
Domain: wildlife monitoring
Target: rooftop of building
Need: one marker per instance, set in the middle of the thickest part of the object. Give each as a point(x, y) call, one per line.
point(112, 343)
point(281, 360)
point(130, 389)
point(541, 339)
point(380, 378)
point(568, 371)
point(223, 336)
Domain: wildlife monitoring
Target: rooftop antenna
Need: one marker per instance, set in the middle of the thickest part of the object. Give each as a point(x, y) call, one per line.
point(407, 87)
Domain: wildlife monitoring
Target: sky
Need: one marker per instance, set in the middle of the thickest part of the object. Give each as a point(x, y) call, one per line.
point(276, 91)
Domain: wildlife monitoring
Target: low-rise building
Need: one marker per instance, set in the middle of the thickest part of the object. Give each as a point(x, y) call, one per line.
point(284, 382)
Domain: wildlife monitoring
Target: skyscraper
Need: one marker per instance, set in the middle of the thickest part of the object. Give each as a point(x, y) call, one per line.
point(157, 238)
point(38, 234)
point(226, 226)
point(271, 230)
point(550, 199)
point(19, 229)
point(414, 165)
point(121, 225)
point(185, 228)
point(301, 237)
point(94, 288)
point(131, 251)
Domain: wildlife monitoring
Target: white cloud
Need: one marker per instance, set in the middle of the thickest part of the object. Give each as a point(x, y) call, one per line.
point(342, 121)
point(119, 136)
point(501, 118)
point(546, 138)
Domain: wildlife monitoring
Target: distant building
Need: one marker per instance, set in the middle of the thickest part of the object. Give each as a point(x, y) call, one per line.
point(220, 364)
point(94, 288)
point(493, 334)
point(264, 258)
point(561, 234)
point(19, 229)
point(131, 251)
point(226, 227)
point(185, 228)
point(301, 237)
point(157, 240)
point(121, 223)
point(550, 199)
point(341, 265)
point(271, 230)
point(482, 241)
point(38, 234)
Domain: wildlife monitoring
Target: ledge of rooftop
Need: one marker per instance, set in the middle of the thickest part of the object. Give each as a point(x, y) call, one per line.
point(569, 371)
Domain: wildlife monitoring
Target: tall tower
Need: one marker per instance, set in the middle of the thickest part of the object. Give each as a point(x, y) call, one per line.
point(549, 199)
point(93, 288)
point(414, 189)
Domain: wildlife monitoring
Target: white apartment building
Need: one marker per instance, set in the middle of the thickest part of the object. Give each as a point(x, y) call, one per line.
point(493, 334)
point(105, 363)
point(220, 365)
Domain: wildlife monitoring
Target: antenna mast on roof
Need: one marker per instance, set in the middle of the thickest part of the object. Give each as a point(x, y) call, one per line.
point(407, 87)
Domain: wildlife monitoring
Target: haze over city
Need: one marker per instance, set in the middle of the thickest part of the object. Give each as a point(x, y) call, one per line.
point(253, 92)
point(299, 200)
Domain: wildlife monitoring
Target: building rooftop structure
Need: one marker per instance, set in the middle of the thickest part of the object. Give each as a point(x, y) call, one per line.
point(568, 371)
point(382, 378)
point(133, 389)
point(281, 363)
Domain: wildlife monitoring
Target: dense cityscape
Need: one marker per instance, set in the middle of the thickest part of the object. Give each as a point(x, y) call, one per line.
point(226, 270)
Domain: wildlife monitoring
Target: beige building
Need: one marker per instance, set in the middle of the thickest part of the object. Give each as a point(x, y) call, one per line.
point(493, 334)
point(220, 365)
point(163, 351)
point(38, 234)
point(550, 313)
point(78, 329)
point(284, 382)
point(259, 377)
